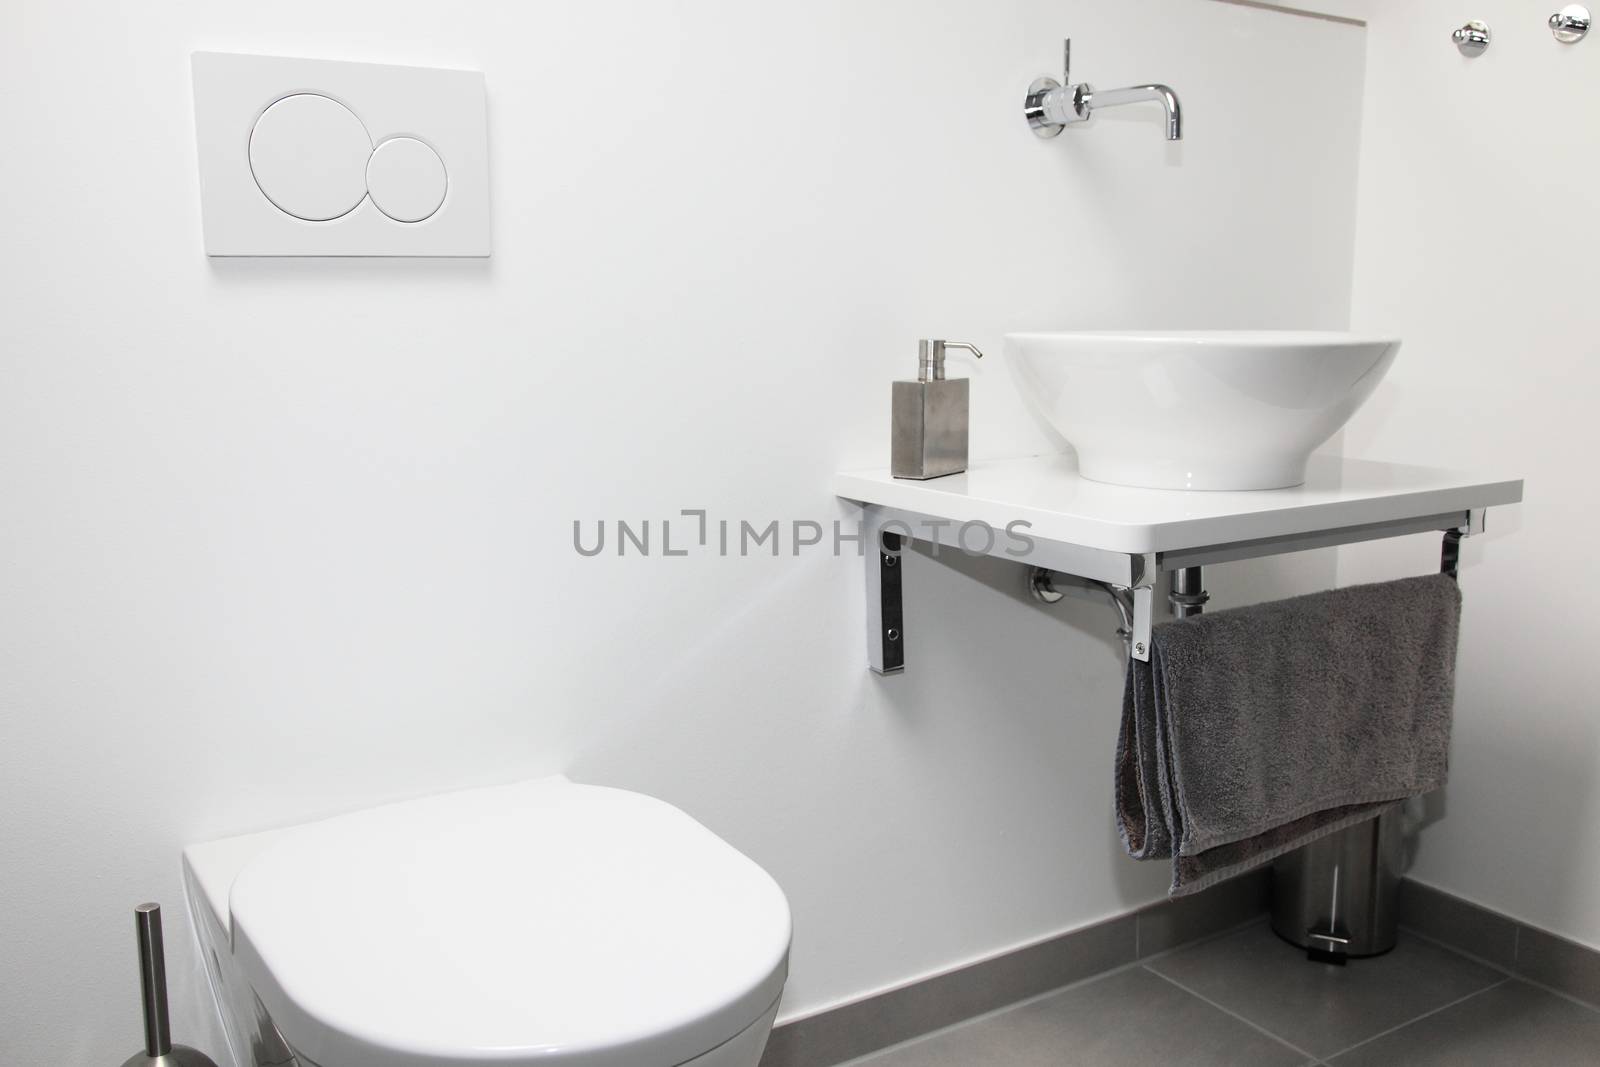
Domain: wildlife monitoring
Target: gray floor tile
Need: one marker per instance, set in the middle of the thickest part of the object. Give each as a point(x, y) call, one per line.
point(1319, 1007)
point(1513, 1023)
point(1127, 1019)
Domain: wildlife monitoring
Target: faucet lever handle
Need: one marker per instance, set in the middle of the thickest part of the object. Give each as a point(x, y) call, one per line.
point(1050, 105)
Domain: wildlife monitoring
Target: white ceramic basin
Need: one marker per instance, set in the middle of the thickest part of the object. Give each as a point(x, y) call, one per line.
point(1197, 409)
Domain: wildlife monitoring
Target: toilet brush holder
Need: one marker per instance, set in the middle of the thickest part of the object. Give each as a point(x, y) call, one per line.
point(159, 1051)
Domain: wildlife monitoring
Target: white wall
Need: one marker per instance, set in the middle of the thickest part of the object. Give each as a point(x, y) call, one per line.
point(285, 538)
point(1477, 244)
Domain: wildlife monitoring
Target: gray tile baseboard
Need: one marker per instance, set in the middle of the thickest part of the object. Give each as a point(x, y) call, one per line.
point(1170, 923)
point(855, 1029)
point(1515, 947)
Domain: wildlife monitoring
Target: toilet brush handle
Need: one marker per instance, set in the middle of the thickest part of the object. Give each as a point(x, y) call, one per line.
point(153, 980)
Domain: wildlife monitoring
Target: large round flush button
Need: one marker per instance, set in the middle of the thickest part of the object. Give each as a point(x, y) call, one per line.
point(309, 156)
point(406, 179)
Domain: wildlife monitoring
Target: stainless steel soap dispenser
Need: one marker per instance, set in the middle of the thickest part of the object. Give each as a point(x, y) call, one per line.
point(928, 438)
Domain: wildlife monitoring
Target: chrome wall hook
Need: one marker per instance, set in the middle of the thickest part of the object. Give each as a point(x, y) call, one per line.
point(1472, 40)
point(1051, 105)
point(1570, 24)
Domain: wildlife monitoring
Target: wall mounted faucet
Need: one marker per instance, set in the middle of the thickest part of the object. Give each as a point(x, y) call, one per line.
point(1051, 106)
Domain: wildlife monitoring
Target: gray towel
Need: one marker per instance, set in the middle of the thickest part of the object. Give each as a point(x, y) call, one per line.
point(1253, 731)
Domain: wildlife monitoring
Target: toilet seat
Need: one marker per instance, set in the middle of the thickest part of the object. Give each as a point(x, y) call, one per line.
point(544, 923)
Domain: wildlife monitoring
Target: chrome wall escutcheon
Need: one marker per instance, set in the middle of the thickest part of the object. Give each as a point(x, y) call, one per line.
point(1043, 587)
point(1570, 24)
point(1472, 39)
point(1033, 107)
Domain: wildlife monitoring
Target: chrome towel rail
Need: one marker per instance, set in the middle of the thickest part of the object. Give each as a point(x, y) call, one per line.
point(1128, 580)
point(1186, 593)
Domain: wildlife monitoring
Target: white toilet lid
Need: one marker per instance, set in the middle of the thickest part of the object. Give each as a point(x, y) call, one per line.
point(545, 923)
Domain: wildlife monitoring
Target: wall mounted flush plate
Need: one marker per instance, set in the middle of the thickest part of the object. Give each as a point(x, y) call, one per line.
point(309, 157)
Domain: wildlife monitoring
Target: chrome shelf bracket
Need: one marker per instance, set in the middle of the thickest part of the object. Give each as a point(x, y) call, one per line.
point(1450, 552)
point(1146, 572)
point(886, 640)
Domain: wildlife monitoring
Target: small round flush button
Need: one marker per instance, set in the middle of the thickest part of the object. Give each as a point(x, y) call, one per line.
point(309, 156)
point(406, 179)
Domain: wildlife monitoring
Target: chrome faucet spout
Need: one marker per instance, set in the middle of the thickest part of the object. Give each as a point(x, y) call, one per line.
point(1051, 105)
point(1094, 99)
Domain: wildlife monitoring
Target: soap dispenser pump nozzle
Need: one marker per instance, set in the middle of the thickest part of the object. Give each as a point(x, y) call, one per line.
point(930, 357)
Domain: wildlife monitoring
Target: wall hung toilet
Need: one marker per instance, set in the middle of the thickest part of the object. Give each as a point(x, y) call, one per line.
point(545, 923)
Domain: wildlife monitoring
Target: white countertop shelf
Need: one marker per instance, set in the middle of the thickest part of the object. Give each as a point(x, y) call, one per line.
point(1048, 492)
point(1126, 538)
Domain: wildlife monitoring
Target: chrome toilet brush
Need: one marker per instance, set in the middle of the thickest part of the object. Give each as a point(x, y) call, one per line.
point(159, 1051)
